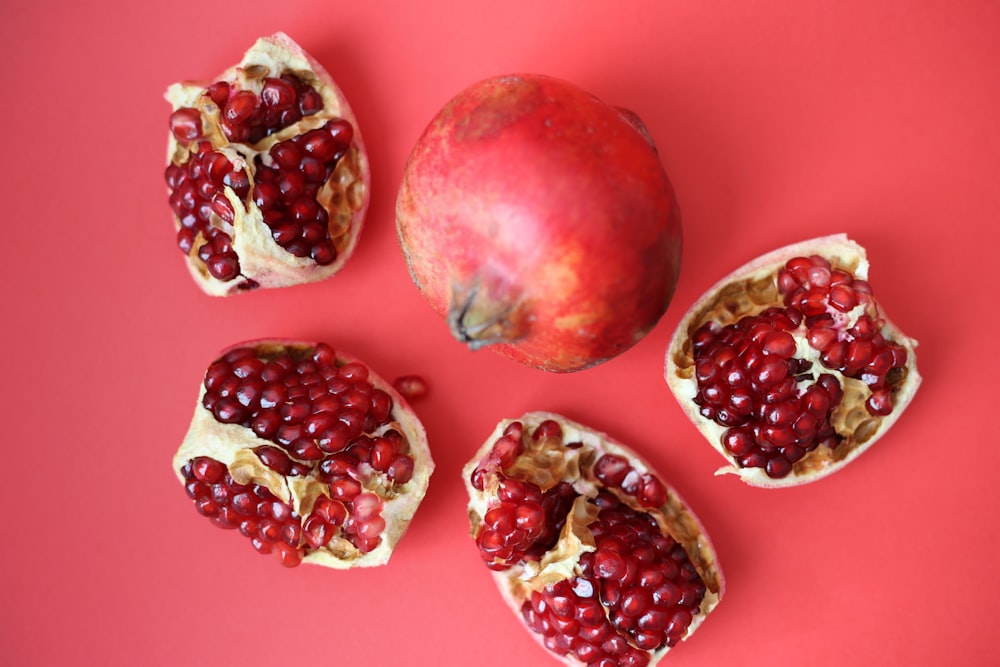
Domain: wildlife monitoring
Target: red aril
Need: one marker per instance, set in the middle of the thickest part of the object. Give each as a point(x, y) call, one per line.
point(602, 561)
point(538, 220)
point(267, 173)
point(789, 366)
point(306, 452)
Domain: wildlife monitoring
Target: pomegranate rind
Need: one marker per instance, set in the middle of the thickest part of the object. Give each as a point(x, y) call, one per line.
point(346, 195)
point(727, 301)
point(233, 445)
point(675, 518)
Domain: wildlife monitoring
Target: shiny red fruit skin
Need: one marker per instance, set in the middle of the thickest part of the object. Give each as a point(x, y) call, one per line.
point(539, 220)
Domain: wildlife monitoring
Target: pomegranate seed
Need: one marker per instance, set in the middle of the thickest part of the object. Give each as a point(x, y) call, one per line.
point(207, 470)
point(316, 532)
point(287, 555)
point(239, 107)
point(507, 450)
point(331, 511)
point(185, 124)
point(611, 469)
point(400, 470)
point(880, 402)
point(310, 102)
point(843, 298)
point(548, 429)
point(277, 93)
point(653, 493)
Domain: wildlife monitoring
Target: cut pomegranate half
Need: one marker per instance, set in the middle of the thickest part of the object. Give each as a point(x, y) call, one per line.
point(789, 366)
point(601, 560)
point(267, 173)
point(307, 452)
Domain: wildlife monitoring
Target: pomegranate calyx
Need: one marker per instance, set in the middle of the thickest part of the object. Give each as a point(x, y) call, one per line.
point(486, 312)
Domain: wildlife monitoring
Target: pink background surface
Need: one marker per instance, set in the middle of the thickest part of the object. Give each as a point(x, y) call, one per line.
point(777, 121)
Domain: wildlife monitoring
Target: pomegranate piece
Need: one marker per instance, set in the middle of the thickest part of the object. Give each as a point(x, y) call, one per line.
point(307, 452)
point(789, 366)
point(601, 560)
point(539, 221)
point(267, 173)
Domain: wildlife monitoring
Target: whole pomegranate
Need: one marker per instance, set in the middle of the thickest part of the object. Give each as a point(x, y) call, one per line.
point(267, 173)
point(789, 365)
point(306, 452)
point(539, 220)
point(602, 561)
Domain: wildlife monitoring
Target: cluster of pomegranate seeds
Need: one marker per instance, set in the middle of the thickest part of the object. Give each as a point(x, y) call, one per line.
point(825, 295)
point(247, 117)
point(287, 190)
point(525, 524)
point(270, 524)
point(775, 405)
point(197, 198)
point(287, 181)
point(637, 592)
point(327, 421)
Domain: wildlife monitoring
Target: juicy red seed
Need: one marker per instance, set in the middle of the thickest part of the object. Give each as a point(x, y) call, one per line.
point(737, 442)
point(316, 532)
point(323, 253)
point(843, 298)
point(864, 328)
point(880, 402)
point(344, 489)
point(548, 430)
point(207, 470)
point(529, 516)
point(287, 555)
point(286, 154)
point(319, 144)
point(305, 449)
point(354, 372)
point(382, 453)
point(185, 124)
point(609, 564)
point(653, 493)
point(223, 267)
point(239, 107)
point(277, 93)
point(611, 469)
point(219, 93)
point(381, 406)
point(331, 511)
point(507, 449)
point(310, 102)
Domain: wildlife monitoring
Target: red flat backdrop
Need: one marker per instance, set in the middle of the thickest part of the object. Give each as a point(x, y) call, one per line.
point(777, 121)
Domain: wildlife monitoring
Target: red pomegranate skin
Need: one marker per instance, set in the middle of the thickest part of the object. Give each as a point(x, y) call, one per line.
point(538, 220)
